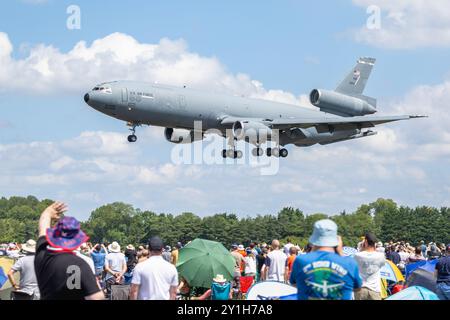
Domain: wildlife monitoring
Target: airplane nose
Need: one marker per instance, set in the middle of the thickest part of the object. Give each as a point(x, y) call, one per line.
point(86, 97)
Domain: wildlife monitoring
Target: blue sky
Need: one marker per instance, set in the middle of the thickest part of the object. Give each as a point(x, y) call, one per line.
point(292, 46)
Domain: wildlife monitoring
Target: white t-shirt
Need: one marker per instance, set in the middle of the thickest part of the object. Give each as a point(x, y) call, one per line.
point(155, 276)
point(370, 264)
point(250, 265)
point(276, 262)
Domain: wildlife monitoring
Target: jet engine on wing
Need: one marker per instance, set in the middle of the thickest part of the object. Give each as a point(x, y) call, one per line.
point(182, 136)
point(341, 104)
point(251, 131)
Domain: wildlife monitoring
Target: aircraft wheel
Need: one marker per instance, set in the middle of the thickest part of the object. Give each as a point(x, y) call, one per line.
point(132, 138)
point(238, 154)
point(224, 153)
point(284, 153)
point(230, 153)
point(276, 152)
point(269, 152)
point(257, 152)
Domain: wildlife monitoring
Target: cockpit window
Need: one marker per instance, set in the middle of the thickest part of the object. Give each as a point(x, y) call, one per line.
point(103, 89)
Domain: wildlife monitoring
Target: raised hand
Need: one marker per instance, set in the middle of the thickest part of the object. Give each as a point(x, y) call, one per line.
point(53, 211)
point(56, 209)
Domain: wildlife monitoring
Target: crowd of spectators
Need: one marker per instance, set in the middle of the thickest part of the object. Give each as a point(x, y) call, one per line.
point(63, 264)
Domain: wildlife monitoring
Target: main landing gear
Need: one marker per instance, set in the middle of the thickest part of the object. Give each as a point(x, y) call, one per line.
point(277, 152)
point(256, 152)
point(132, 137)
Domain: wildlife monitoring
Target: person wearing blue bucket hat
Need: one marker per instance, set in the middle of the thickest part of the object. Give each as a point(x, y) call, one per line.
point(324, 273)
point(324, 234)
point(60, 273)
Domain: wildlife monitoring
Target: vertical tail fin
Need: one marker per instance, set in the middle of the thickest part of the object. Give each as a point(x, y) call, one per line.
point(355, 82)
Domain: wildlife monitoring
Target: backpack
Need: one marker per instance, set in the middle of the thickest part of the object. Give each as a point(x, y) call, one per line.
point(220, 291)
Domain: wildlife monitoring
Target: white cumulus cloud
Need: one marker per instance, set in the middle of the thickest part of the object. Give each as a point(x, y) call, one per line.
point(407, 24)
point(119, 56)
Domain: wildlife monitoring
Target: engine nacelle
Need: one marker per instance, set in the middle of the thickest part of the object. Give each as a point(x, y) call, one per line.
point(182, 136)
point(341, 104)
point(251, 131)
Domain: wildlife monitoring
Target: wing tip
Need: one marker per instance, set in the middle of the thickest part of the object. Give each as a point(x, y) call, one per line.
point(418, 116)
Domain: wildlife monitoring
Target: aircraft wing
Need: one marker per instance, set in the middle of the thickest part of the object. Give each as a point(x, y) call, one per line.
point(338, 123)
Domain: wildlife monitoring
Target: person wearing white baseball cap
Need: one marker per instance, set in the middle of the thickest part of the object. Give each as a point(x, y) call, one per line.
point(324, 273)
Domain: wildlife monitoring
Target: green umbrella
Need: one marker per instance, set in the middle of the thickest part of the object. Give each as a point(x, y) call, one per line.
point(202, 260)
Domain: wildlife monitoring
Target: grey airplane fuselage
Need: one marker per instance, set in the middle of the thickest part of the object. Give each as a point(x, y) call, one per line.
point(175, 107)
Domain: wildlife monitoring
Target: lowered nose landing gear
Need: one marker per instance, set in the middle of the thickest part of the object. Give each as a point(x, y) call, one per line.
point(132, 137)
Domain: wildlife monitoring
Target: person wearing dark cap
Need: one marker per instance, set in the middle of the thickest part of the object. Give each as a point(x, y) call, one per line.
point(155, 278)
point(370, 262)
point(443, 275)
point(61, 275)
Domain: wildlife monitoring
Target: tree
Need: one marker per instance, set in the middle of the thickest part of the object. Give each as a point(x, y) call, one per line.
point(110, 223)
point(291, 222)
point(123, 223)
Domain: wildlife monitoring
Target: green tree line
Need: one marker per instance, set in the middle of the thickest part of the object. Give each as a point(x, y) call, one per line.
point(123, 223)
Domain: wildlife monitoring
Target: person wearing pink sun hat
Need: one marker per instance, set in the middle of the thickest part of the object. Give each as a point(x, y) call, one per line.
point(60, 273)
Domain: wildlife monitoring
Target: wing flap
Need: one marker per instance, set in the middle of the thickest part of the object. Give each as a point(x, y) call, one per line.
point(342, 123)
point(322, 124)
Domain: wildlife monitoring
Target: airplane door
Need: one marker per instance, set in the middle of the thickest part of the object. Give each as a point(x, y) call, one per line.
point(124, 95)
point(182, 102)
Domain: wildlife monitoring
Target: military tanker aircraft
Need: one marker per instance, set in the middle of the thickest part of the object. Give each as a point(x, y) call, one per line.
point(342, 114)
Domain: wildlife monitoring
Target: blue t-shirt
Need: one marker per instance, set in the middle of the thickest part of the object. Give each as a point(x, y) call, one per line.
point(325, 275)
point(98, 258)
